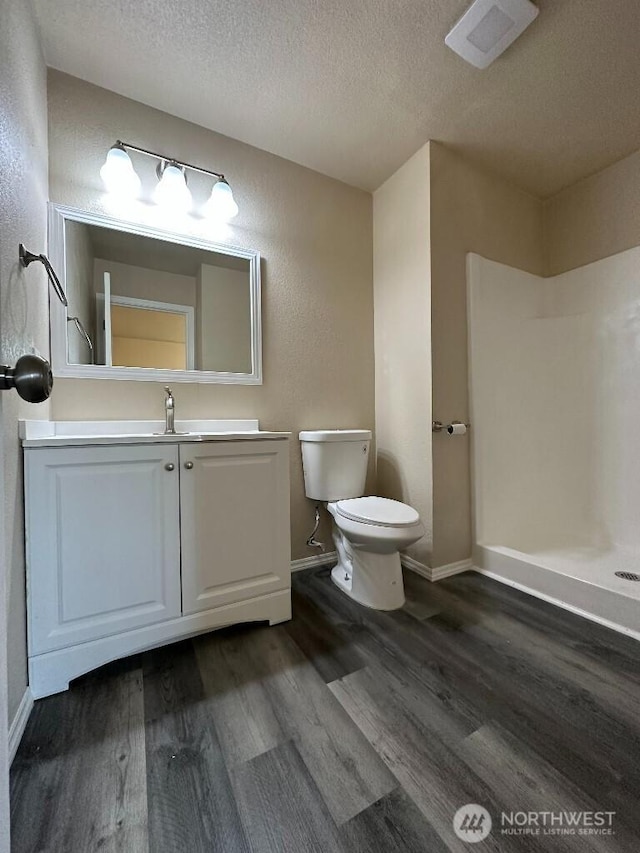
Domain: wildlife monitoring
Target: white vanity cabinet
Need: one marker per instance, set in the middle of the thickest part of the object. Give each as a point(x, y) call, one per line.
point(103, 541)
point(132, 545)
point(235, 522)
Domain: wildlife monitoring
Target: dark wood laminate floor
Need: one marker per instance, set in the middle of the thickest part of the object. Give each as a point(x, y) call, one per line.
point(344, 730)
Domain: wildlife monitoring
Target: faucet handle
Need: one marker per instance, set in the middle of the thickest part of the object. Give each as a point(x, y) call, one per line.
point(167, 391)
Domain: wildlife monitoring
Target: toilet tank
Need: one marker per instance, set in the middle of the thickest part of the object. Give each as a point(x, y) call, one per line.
point(335, 462)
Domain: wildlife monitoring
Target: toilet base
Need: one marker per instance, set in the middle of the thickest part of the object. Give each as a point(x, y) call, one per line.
point(373, 580)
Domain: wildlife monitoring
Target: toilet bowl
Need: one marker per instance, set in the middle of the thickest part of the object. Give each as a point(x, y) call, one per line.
point(369, 533)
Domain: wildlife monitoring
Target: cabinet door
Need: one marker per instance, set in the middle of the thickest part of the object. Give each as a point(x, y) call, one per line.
point(234, 500)
point(102, 541)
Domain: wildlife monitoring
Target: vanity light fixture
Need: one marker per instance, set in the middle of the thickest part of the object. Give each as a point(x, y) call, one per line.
point(221, 203)
point(172, 191)
point(118, 173)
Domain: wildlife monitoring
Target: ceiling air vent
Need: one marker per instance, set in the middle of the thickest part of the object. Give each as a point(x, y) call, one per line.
point(488, 27)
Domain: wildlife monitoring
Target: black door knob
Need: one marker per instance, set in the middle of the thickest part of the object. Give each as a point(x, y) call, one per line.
point(31, 377)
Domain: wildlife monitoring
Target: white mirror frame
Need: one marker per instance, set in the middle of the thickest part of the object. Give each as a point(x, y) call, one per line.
point(58, 324)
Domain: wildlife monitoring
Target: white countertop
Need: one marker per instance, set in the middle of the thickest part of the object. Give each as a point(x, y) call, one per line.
point(78, 433)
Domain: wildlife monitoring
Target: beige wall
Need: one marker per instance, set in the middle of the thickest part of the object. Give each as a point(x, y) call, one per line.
point(471, 211)
point(141, 283)
point(401, 274)
point(23, 320)
point(223, 327)
point(594, 218)
point(79, 290)
point(315, 236)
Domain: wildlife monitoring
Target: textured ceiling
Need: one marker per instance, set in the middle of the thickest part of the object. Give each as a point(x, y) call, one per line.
point(352, 88)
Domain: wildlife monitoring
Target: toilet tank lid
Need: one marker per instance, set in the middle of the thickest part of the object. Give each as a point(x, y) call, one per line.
point(381, 511)
point(335, 435)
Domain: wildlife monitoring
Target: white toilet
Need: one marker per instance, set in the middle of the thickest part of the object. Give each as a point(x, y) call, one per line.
point(368, 532)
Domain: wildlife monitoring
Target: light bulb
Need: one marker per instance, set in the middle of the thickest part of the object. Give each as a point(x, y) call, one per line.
point(221, 204)
point(118, 173)
point(172, 190)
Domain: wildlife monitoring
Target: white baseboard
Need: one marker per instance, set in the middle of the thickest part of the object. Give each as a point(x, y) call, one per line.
point(415, 566)
point(314, 562)
point(437, 574)
point(440, 572)
point(19, 723)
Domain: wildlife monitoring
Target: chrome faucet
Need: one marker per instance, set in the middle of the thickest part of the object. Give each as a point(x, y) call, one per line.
point(169, 411)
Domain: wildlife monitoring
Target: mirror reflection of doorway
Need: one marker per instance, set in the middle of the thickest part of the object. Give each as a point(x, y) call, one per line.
point(148, 337)
point(145, 333)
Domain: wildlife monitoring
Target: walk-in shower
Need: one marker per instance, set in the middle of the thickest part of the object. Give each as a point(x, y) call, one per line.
point(555, 399)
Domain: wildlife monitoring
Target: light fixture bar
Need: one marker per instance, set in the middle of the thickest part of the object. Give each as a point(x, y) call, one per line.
point(172, 192)
point(164, 157)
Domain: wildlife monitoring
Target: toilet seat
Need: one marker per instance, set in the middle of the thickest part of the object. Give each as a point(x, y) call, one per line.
point(382, 512)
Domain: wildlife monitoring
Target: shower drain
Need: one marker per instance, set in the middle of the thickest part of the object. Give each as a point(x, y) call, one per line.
point(628, 576)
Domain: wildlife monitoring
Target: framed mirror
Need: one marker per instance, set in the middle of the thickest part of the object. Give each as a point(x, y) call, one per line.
point(151, 304)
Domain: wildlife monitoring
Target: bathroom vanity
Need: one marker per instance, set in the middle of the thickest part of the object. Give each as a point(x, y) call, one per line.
point(135, 539)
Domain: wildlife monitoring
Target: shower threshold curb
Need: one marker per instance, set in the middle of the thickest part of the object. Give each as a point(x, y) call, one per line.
point(607, 607)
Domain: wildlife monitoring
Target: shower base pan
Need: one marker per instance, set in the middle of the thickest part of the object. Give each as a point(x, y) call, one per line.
point(582, 583)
